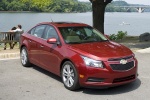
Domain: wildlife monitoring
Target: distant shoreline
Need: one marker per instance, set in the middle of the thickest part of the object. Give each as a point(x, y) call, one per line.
point(16, 11)
point(36, 12)
point(58, 12)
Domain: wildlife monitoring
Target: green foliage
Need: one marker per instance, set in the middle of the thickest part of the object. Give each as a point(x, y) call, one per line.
point(14, 6)
point(58, 6)
point(119, 36)
point(45, 5)
point(113, 37)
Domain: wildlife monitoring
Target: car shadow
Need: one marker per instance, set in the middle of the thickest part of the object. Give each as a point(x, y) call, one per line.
point(43, 71)
point(109, 91)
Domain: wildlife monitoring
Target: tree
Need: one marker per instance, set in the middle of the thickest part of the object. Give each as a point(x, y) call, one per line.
point(98, 7)
point(15, 6)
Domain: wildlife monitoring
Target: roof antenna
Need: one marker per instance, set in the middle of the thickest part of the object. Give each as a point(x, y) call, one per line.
point(51, 18)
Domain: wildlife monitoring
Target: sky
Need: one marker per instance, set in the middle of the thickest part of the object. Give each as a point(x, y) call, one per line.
point(145, 2)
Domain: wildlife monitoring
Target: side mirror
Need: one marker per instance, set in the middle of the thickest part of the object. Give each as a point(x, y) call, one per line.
point(52, 41)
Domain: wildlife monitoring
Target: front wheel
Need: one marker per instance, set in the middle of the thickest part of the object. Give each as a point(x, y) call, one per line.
point(70, 76)
point(24, 57)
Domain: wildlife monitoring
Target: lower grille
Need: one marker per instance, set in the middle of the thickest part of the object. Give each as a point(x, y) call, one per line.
point(124, 79)
point(95, 80)
point(122, 67)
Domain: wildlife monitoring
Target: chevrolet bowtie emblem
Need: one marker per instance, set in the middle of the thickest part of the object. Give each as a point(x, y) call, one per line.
point(123, 61)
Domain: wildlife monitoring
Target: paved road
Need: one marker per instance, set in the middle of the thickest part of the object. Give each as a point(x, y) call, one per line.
point(19, 83)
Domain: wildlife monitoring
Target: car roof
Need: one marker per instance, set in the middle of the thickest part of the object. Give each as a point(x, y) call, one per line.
point(64, 24)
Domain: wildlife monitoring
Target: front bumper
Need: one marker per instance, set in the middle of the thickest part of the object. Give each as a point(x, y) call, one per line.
point(101, 78)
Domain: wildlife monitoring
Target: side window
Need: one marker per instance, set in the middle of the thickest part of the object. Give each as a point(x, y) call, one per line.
point(31, 31)
point(50, 32)
point(88, 32)
point(38, 31)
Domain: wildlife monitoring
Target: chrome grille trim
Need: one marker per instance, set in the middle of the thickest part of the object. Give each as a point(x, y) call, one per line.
point(116, 66)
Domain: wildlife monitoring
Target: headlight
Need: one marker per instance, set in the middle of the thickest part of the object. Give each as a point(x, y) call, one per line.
point(92, 63)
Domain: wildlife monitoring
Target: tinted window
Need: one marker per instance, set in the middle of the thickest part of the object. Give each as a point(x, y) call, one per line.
point(38, 31)
point(81, 35)
point(31, 31)
point(50, 32)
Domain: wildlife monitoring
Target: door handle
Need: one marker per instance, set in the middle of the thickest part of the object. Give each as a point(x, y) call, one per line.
point(29, 41)
point(41, 46)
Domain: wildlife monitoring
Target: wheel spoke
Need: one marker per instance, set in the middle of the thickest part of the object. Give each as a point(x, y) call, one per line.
point(68, 83)
point(72, 73)
point(71, 81)
point(65, 73)
point(68, 68)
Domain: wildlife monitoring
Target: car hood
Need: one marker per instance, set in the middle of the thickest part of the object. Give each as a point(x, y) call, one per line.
point(101, 50)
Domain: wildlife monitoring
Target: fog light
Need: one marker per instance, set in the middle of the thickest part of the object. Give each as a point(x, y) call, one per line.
point(95, 80)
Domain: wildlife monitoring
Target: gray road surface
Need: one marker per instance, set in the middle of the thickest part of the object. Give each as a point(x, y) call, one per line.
point(20, 83)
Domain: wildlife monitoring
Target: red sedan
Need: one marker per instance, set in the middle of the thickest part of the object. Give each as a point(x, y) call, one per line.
point(79, 54)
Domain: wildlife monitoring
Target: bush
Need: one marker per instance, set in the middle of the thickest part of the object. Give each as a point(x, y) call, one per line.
point(119, 36)
point(113, 37)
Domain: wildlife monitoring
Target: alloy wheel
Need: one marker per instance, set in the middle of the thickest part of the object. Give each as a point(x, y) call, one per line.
point(24, 56)
point(68, 75)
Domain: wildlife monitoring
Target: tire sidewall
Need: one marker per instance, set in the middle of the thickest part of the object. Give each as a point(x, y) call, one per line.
point(27, 62)
point(76, 78)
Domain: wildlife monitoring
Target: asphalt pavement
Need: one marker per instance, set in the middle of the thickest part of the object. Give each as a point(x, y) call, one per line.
point(34, 83)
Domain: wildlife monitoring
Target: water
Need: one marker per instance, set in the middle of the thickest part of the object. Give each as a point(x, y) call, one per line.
point(134, 23)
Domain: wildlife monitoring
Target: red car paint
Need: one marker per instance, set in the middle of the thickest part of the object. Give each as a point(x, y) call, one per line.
point(52, 56)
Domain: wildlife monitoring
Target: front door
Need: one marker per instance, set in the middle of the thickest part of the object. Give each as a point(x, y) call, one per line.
point(50, 56)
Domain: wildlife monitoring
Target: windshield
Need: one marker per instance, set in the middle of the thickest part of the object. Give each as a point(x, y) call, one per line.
point(74, 35)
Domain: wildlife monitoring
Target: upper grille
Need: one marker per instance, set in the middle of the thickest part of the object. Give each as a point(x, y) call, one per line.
point(122, 67)
point(118, 59)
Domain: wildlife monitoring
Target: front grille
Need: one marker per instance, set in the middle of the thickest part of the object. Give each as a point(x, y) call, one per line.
point(128, 78)
point(122, 67)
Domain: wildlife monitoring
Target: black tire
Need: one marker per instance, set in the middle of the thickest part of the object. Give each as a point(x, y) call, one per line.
point(69, 76)
point(24, 57)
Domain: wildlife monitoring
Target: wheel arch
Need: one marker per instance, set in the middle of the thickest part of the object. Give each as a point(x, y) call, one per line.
point(76, 83)
point(63, 61)
point(61, 65)
point(22, 46)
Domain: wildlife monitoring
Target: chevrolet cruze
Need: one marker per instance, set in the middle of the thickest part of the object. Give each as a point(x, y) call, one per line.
point(79, 54)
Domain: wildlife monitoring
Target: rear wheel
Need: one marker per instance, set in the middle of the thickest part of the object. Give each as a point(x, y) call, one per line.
point(70, 76)
point(24, 57)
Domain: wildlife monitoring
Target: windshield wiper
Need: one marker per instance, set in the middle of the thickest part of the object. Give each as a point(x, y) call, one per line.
point(74, 42)
point(104, 40)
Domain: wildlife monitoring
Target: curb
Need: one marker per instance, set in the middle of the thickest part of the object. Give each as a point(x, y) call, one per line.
point(9, 55)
